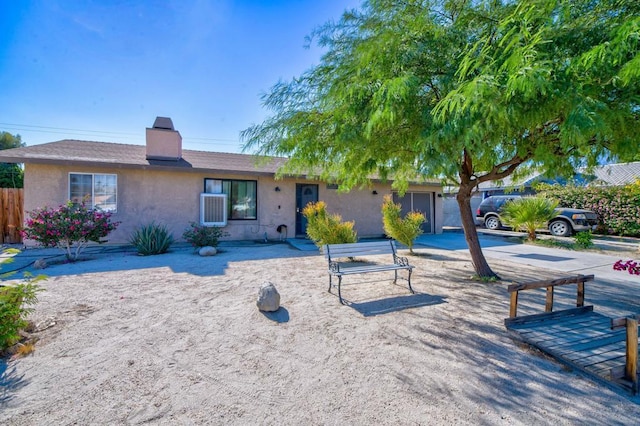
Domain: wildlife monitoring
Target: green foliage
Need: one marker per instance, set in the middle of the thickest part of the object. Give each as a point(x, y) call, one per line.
point(151, 239)
point(528, 214)
point(470, 91)
point(11, 176)
point(485, 280)
point(553, 243)
point(69, 227)
point(15, 305)
point(404, 230)
point(324, 228)
point(201, 236)
point(8, 141)
point(584, 239)
point(618, 208)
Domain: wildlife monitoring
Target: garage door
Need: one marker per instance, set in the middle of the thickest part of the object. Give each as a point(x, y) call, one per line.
point(420, 202)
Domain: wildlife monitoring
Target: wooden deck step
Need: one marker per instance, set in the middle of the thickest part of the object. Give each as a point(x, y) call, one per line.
point(577, 337)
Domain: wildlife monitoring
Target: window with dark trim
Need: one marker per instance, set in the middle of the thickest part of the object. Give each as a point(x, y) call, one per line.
point(242, 196)
point(96, 189)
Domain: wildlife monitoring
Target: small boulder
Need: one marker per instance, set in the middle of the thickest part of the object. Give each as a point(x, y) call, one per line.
point(40, 264)
point(268, 298)
point(207, 251)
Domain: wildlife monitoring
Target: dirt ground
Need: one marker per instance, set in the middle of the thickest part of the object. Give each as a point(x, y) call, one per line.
point(178, 339)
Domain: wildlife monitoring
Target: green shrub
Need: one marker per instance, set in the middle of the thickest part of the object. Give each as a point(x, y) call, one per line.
point(69, 227)
point(201, 236)
point(584, 239)
point(15, 302)
point(528, 214)
point(324, 228)
point(618, 207)
point(404, 230)
point(151, 239)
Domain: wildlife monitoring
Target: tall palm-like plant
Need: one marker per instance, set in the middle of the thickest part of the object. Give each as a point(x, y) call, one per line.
point(326, 228)
point(404, 230)
point(529, 214)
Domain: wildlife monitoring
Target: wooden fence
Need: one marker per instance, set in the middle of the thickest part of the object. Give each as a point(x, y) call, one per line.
point(11, 216)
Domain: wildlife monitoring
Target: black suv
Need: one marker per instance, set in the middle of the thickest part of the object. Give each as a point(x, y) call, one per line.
point(567, 221)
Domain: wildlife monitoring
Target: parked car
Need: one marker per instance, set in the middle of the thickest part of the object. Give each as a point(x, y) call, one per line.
point(566, 222)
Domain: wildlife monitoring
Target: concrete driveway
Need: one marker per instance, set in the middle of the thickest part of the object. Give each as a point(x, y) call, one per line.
point(499, 246)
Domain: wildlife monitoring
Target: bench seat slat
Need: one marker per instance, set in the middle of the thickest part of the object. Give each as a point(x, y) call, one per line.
point(368, 268)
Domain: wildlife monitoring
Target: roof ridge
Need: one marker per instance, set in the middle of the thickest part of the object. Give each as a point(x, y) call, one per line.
point(239, 154)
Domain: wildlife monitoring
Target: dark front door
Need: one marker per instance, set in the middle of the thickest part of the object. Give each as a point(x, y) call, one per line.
point(420, 202)
point(305, 194)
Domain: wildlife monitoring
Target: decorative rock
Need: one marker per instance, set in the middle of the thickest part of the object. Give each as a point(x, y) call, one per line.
point(40, 264)
point(268, 298)
point(207, 251)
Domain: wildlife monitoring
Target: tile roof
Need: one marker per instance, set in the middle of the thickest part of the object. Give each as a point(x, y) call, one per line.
point(608, 174)
point(617, 174)
point(134, 156)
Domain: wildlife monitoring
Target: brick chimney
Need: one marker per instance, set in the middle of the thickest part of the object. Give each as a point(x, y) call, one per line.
point(163, 141)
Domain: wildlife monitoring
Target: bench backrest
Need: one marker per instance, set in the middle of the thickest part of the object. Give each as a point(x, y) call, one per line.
point(335, 251)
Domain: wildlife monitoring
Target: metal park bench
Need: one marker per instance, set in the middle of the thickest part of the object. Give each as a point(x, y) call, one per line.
point(341, 258)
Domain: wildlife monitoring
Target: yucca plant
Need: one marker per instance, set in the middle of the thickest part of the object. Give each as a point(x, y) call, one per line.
point(324, 228)
point(151, 239)
point(404, 230)
point(529, 214)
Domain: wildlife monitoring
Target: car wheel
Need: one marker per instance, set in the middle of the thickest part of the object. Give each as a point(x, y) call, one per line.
point(492, 222)
point(560, 228)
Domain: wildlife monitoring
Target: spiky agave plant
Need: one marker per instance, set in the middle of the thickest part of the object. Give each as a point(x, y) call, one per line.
point(151, 239)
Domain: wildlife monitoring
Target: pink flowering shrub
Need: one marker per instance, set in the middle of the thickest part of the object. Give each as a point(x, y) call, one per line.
point(69, 227)
point(200, 236)
point(618, 208)
point(630, 266)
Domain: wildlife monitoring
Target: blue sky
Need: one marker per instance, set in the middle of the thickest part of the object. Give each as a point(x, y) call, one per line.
point(103, 70)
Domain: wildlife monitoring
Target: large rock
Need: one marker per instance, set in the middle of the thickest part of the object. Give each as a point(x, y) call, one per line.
point(207, 251)
point(268, 298)
point(40, 264)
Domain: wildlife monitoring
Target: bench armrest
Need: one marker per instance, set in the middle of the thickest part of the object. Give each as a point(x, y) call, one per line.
point(334, 267)
point(400, 260)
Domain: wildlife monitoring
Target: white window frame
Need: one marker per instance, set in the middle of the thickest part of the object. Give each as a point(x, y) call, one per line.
point(93, 188)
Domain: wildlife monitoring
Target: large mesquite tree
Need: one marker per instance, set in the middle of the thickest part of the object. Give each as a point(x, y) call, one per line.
point(469, 91)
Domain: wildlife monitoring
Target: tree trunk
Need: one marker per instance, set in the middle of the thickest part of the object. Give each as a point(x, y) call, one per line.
point(482, 268)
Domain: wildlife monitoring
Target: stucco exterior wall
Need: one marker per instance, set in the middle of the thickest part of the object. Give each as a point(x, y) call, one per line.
point(172, 198)
point(365, 208)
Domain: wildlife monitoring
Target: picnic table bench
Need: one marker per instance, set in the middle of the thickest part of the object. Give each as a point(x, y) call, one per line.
point(341, 258)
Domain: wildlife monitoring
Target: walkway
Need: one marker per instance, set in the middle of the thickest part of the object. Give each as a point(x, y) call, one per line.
point(568, 261)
